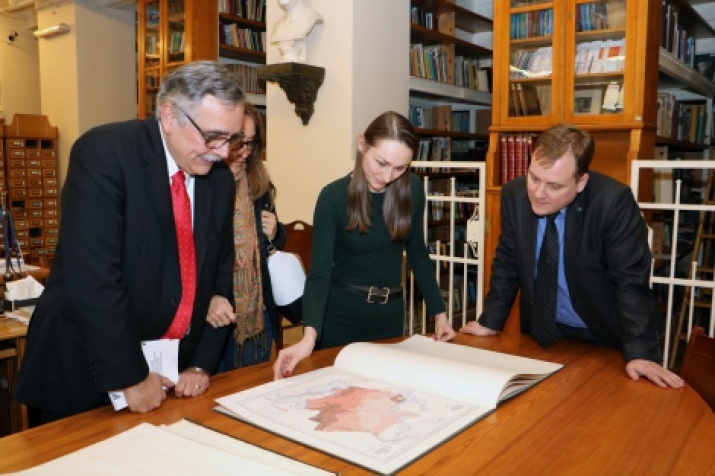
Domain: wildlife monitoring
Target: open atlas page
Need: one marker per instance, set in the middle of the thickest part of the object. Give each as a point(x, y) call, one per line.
point(381, 406)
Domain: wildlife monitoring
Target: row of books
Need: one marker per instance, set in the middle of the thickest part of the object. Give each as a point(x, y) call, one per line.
point(531, 63)
point(600, 56)
point(423, 18)
point(469, 74)
point(437, 117)
point(532, 24)
point(441, 149)
point(515, 154)
point(151, 45)
point(529, 100)
point(679, 120)
point(430, 62)
point(231, 35)
point(443, 210)
point(444, 118)
point(675, 38)
point(433, 149)
point(250, 9)
point(438, 63)
point(176, 42)
point(601, 15)
point(247, 75)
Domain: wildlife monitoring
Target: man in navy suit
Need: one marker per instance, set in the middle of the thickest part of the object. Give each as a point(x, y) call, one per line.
point(116, 277)
point(603, 293)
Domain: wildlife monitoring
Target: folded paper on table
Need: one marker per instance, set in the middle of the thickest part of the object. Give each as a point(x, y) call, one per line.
point(180, 449)
point(381, 406)
point(22, 293)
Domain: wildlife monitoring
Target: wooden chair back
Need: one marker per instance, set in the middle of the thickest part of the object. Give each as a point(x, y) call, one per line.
point(698, 367)
point(299, 240)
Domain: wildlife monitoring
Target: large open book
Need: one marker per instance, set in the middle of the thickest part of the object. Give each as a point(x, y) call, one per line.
point(381, 406)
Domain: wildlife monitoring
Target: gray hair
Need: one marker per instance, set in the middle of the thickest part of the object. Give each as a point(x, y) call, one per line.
point(187, 85)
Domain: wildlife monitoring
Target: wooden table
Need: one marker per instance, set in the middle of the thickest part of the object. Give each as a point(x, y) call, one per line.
point(588, 418)
point(12, 348)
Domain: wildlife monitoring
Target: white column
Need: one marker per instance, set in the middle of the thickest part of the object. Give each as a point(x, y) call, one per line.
point(363, 46)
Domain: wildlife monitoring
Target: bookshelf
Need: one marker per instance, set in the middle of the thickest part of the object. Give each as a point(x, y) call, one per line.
point(242, 43)
point(171, 33)
point(450, 105)
point(686, 88)
point(595, 64)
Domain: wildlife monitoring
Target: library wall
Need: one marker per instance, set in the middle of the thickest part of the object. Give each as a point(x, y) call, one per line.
point(19, 69)
point(363, 77)
point(87, 76)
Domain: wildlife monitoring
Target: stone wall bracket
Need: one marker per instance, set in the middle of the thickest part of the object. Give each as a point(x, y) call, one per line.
point(299, 81)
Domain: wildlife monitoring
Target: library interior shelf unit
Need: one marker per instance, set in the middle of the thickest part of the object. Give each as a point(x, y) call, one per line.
point(31, 183)
point(242, 43)
point(454, 227)
point(171, 33)
point(450, 101)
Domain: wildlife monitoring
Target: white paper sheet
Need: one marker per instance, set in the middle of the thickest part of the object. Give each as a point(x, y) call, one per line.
point(151, 451)
point(162, 355)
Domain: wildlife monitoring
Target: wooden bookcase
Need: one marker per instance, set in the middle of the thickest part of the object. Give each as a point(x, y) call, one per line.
point(242, 43)
point(31, 170)
point(171, 33)
point(542, 77)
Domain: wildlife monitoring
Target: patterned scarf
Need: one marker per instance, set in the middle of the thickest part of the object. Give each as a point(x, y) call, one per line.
point(247, 289)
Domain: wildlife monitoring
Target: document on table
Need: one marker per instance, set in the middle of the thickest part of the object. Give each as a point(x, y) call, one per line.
point(162, 355)
point(179, 449)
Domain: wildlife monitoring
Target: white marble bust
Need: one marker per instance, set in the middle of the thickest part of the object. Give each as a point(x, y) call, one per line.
point(290, 31)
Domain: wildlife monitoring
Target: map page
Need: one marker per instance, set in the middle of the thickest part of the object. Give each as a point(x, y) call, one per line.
point(381, 406)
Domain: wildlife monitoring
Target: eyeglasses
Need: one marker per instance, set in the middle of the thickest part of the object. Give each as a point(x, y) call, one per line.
point(216, 140)
point(251, 145)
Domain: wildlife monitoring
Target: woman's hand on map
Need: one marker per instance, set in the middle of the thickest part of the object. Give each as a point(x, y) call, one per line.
point(289, 357)
point(443, 329)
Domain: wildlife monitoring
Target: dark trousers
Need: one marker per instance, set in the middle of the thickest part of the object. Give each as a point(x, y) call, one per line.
point(37, 416)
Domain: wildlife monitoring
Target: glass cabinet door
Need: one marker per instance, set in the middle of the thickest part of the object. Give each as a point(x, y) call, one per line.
point(152, 56)
point(531, 31)
point(176, 32)
point(599, 57)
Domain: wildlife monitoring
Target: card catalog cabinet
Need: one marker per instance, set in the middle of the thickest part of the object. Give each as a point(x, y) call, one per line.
point(31, 183)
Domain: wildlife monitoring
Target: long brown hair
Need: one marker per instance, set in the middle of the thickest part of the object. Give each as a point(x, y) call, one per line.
point(259, 181)
point(397, 207)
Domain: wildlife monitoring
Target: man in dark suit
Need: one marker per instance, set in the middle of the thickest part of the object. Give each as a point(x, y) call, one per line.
point(116, 279)
point(603, 293)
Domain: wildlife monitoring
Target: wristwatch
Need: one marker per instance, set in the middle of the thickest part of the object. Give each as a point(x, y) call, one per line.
point(199, 370)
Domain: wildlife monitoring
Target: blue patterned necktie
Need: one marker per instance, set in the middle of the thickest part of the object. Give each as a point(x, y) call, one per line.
point(543, 322)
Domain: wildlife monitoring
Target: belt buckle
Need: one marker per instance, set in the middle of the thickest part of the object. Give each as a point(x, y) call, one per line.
point(383, 293)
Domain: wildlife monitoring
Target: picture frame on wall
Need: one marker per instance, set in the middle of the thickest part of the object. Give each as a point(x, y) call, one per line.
point(587, 101)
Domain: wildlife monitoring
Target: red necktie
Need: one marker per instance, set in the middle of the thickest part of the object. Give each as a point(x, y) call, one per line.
point(187, 257)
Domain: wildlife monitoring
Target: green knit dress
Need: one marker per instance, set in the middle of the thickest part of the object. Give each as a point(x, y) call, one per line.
point(363, 259)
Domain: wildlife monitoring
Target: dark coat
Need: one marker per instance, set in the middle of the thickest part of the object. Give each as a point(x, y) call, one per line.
point(115, 279)
point(606, 259)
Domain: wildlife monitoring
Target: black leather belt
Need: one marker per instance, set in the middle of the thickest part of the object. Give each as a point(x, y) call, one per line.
point(373, 294)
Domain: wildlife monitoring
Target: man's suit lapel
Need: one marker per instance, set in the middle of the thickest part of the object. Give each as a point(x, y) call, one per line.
point(203, 198)
point(156, 182)
point(572, 238)
point(529, 241)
